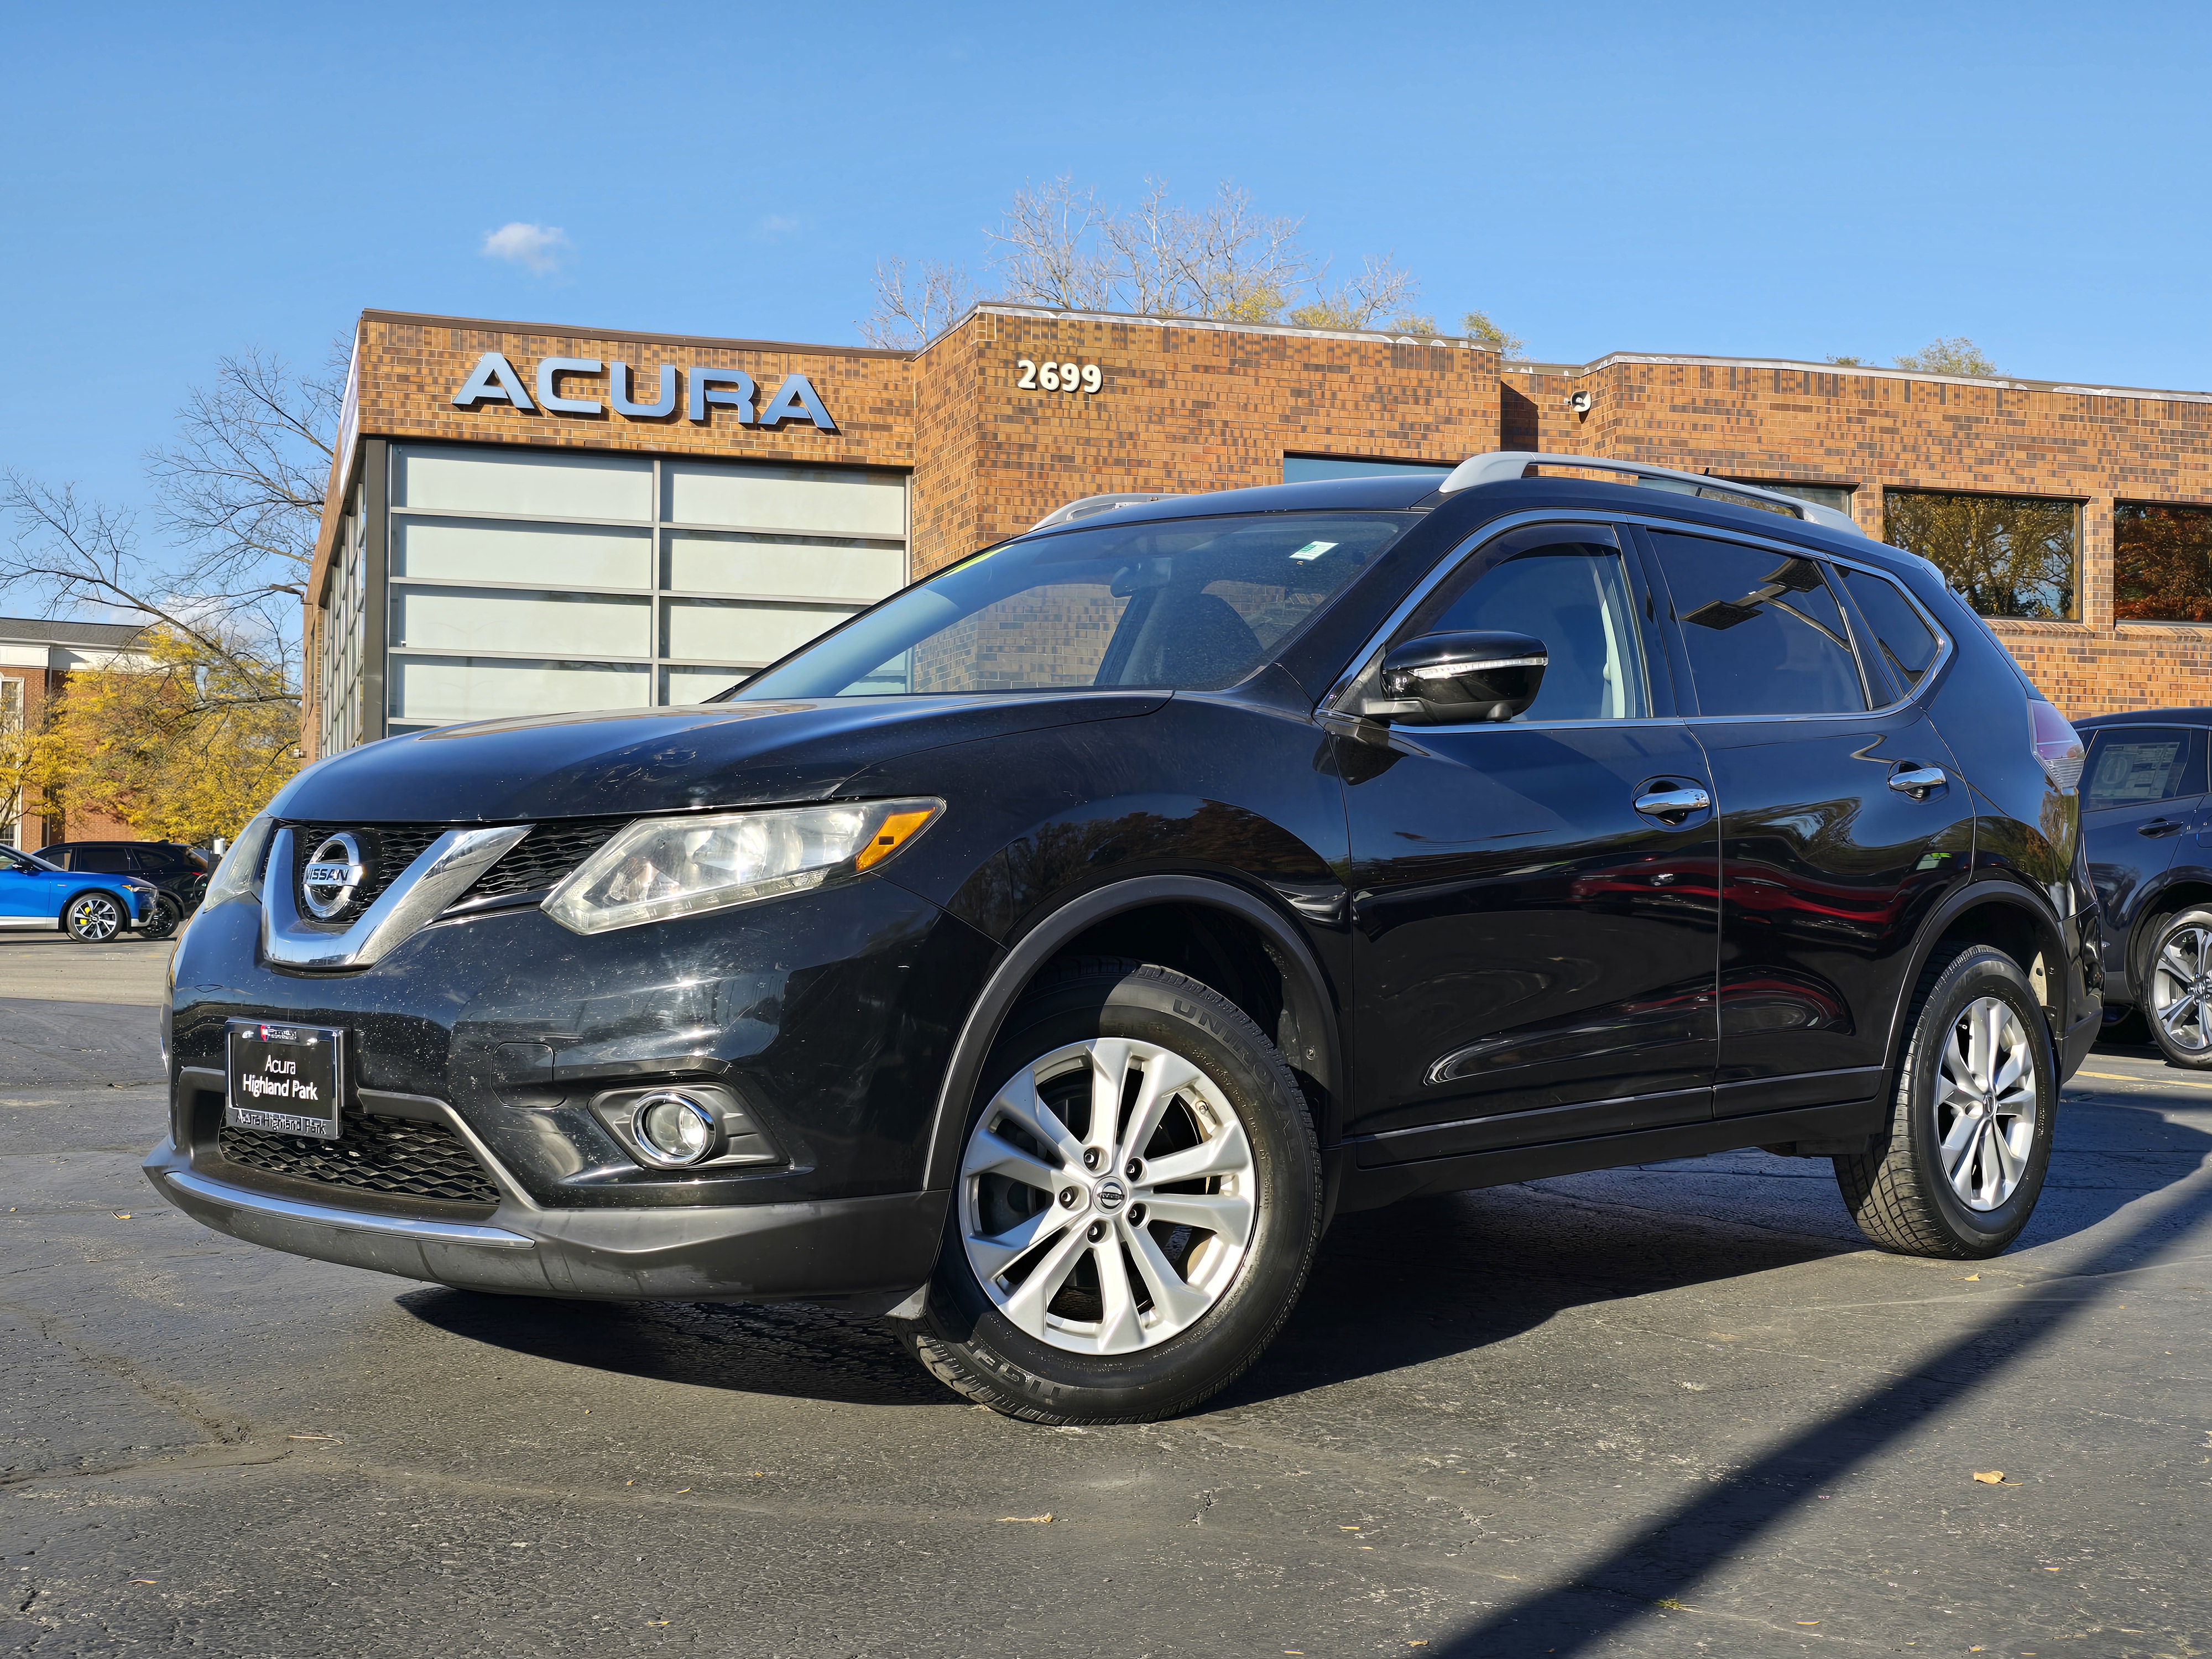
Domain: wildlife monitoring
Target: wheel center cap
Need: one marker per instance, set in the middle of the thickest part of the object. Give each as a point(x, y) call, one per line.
point(1110, 1195)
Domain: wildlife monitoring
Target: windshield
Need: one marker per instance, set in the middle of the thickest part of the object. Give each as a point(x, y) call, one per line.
point(1188, 604)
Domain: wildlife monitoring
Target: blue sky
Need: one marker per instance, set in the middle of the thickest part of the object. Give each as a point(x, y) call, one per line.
point(177, 182)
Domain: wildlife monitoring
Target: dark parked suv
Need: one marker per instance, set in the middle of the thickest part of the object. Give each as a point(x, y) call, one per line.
point(2145, 818)
point(1042, 958)
point(180, 872)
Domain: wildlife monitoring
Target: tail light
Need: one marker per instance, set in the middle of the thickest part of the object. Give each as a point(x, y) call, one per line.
point(2058, 746)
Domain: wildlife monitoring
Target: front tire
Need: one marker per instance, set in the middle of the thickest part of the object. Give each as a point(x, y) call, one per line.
point(1138, 1203)
point(93, 918)
point(1972, 1119)
point(2179, 975)
point(163, 921)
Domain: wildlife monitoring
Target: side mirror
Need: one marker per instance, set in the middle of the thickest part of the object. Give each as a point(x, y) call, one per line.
point(1459, 679)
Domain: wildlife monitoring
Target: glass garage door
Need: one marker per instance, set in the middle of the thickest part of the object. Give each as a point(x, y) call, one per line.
point(530, 581)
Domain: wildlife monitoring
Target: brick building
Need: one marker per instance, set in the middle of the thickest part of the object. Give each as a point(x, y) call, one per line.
point(534, 520)
point(36, 661)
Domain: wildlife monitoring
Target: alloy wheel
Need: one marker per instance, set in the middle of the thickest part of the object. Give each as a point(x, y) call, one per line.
point(2181, 983)
point(95, 918)
point(1107, 1196)
point(1986, 1104)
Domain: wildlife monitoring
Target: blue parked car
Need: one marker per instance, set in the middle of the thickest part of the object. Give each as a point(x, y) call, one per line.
point(90, 908)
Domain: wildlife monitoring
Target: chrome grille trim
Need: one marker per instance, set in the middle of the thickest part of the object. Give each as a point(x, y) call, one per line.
point(441, 873)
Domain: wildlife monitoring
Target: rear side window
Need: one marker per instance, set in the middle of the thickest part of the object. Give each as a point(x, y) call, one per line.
point(1763, 633)
point(2135, 765)
point(1905, 644)
point(101, 860)
point(162, 860)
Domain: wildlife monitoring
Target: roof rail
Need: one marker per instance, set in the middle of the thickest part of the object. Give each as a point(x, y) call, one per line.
point(1089, 505)
point(1508, 463)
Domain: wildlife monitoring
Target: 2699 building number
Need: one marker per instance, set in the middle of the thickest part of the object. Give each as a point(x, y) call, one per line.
point(1058, 377)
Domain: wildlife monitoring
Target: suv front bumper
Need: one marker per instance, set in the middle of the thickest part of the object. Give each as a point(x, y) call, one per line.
point(870, 1253)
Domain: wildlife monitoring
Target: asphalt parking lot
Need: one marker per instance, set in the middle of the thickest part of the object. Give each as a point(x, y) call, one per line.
point(1675, 1410)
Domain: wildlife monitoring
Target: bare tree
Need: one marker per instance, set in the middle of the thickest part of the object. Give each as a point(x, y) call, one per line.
point(1046, 253)
point(76, 555)
point(240, 486)
point(907, 318)
point(1379, 288)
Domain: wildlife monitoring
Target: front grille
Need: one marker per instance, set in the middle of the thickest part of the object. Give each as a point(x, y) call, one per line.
point(395, 1156)
point(544, 856)
point(388, 849)
point(537, 861)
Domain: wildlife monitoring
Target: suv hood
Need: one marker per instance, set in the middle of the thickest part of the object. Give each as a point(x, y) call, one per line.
point(662, 760)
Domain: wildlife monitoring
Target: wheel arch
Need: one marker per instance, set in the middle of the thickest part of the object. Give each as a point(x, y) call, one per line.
point(1200, 912)
point(2176, 893)
point(2006, 917)
point(61, 916)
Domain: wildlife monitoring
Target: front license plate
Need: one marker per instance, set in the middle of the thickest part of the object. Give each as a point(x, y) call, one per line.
point(284, 1078)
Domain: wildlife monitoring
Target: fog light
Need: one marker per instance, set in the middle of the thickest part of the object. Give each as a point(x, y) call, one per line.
point(674, 1129)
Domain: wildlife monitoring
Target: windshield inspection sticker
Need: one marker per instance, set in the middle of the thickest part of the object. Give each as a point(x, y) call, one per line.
point(1313, 550)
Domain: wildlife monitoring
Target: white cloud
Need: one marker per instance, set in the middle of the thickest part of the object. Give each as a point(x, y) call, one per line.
point(540, 248)
point(776, 225)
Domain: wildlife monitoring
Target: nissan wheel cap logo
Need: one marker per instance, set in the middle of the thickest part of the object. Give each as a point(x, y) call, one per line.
point(1109, 1195)
point(333, 876)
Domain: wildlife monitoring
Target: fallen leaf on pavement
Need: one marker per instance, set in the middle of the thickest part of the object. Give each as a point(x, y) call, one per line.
point(120, 1215)
point(1990, 1477)
point(1970, 1279)
point(1041, 1520)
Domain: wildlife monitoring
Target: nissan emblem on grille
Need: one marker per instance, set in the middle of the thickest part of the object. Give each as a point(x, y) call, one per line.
point(333, 876)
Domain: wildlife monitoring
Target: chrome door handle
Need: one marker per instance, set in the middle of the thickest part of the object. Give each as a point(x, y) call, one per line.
point(1672, 806)
point(2158, 827)
point(1917, 781)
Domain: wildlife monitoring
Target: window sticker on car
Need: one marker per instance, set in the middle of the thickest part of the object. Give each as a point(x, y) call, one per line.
point(1313, 550)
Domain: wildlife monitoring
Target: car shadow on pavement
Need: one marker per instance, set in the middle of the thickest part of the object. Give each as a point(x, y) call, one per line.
point(803, 1351)
point(1393, 1288)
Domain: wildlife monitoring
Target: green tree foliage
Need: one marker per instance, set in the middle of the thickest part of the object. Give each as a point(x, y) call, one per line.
point(2161, 563)
point(2009, 555)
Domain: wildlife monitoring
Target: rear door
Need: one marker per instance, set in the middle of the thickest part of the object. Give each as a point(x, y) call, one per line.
point(2142, 788)
point(1843, 820)
point(1534, 953)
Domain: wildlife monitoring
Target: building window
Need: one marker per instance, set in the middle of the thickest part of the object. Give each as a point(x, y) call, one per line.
point(524, 581)
point(2161, 563)
point(2007, 556)
point(1308, 469)
point(11, 793)
point(1837, 496)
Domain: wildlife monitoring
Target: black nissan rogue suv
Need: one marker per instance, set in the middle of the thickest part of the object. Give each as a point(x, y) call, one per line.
point(1042, 956)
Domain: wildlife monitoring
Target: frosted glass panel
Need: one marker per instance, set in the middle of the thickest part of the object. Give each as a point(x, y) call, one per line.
point(495, 619)
point(487, 688)
point(825, 502)
point(735, 564)
point(697, 684)
point(743, 633)
point(487, 551)
point(529, 481)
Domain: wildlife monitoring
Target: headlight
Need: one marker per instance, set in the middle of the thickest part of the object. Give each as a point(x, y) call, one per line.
point(239, 874)
point(662, 868)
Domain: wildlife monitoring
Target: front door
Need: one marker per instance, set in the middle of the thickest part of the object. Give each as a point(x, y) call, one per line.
point(1843, 819)
point(1533, 950)
point(2142, 788)
point(24, 900)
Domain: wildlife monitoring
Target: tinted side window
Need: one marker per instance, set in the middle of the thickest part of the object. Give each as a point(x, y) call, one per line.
point(1574, 596)
point(101, 860)
point(2132, 765)
point(1765, 635)
point(161, 861)
point(1903, 641)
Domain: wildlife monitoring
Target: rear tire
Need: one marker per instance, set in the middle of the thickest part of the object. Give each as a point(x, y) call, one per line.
point(2178, 986)
point(1970, 1123)
point(163, 922)
point(93, 918)
point(1061, 1297)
